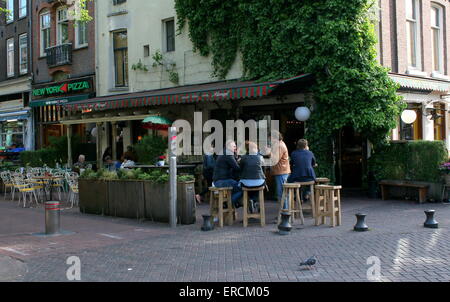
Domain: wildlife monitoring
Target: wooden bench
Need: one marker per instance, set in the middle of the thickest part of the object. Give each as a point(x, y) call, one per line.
point(384, 184)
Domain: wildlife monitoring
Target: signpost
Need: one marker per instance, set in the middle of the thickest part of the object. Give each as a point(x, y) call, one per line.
point(173, 176)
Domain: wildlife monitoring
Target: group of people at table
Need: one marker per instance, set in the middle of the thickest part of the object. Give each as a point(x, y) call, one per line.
point(234, 171)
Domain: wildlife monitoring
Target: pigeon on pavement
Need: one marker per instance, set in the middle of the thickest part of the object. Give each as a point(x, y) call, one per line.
point(309, 262)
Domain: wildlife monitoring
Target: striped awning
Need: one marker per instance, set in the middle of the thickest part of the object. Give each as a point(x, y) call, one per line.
point(218, 91)
point(417, 83)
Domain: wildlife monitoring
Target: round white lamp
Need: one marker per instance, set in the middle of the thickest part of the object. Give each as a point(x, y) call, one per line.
point(409, 116)
point(302, 114)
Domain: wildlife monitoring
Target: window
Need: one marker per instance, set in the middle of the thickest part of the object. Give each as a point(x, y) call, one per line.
point(22, 8)
point(412, 131)
point(62, 27)
point(23, 53)
point(439, 123)
point(169, 29)
point(376, 10)
point(81, 34)
point(10, 8)
point(120, 41)
point(437, 38)
point(11, 134)
point(10, 57)
point(45, 32)
point(412, 33)
point(116, 2)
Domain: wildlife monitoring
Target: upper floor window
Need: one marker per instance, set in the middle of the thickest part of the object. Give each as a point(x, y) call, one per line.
point(81, 34)
point(45, 32)
point(62, 27)
point(437, 37)
point(115, 2)
point(412, 33)
point(169, 35)
point(10, 57)
point(22, 8)
point(10, 8)
point(23, 53)
point(120, 44)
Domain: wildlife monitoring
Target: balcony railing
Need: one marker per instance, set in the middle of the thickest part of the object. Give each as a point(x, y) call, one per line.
point(59, 55)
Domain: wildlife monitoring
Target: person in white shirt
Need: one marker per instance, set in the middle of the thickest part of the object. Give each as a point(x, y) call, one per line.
point(127, 163)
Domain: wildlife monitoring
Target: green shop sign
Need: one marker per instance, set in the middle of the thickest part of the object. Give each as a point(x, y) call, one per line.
point(65, 88)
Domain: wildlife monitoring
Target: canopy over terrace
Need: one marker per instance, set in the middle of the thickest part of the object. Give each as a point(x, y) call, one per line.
point(134, 106)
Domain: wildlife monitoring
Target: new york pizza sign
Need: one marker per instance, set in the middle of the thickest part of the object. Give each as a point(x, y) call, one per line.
point(74, 87)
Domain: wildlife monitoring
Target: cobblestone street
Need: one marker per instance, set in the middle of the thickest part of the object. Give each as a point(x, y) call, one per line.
point(115, 249)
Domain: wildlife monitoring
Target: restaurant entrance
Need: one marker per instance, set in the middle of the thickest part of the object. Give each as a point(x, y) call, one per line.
point(351, 158)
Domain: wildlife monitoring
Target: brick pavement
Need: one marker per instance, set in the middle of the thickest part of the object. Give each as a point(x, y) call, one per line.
point(115, 249)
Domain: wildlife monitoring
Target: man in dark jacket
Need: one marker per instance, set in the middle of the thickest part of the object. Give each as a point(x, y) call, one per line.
point(303, 163)
point(225, 170)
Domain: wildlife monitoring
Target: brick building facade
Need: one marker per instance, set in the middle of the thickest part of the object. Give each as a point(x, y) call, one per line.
point(63, 64)
point(16, 123)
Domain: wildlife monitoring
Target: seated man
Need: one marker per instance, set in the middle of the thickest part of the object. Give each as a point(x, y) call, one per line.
point(303, 163)
point(252, 175)
point(81, 163)
point(227, 166)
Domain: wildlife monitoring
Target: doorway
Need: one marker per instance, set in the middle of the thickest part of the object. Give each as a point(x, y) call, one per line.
point(351, 155)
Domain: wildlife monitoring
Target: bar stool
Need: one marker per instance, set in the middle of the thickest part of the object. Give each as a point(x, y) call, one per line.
point(322, 181)
point(262, 213)
point(311, 198)
point(291, 192)
point(328, 204)
point(219, 197)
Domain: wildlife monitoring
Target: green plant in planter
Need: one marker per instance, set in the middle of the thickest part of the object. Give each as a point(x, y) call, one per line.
point(89, 174)
point(184, 178)
point(108, 175)
point(149, 148)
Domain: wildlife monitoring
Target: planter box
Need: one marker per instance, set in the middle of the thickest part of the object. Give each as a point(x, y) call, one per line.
point(126, 199)
point(93, 196)
point(157, 202)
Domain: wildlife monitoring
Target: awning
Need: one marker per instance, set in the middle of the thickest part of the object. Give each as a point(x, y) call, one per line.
point(58, 101)
point(410, 82)
point(16, 115)
point(217, 91)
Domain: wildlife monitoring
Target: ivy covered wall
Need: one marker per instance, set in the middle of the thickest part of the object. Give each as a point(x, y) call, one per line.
point(333, 39)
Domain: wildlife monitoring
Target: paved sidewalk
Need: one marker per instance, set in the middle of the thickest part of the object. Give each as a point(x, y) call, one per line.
point(115, 249)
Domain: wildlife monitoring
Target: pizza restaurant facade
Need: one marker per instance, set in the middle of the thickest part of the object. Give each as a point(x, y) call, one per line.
point(47, 100)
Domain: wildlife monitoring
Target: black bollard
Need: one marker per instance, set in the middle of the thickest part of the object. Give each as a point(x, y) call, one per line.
point(285, 227)
point(430, 222)
point(361, 223)
point(207, 223)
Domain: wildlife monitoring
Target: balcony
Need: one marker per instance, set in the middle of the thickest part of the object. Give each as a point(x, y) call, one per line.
point(59, 55)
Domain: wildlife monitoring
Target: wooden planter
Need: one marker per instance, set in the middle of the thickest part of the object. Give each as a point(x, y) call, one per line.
point(93, 196)
point(126, 199)
point(157, 202)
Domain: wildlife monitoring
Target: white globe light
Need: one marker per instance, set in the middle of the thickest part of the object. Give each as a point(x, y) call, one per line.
point(409, 116)
point(302, 114)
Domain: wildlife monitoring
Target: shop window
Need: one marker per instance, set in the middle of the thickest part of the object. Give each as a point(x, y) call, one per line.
point(12, 134)
point(412, 131)
point(120, 41)
point(439, 122)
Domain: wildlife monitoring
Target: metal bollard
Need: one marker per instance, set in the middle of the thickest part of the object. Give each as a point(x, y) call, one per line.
point(52, 212)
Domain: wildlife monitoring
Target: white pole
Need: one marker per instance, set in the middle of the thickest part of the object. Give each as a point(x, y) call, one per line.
point(173, 176)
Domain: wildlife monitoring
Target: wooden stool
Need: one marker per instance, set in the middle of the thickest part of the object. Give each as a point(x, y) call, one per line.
point(311, 198)
point(262, 213)
point(219, 196)
point(328, 204)
point(322, 181)
point(291, 191)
